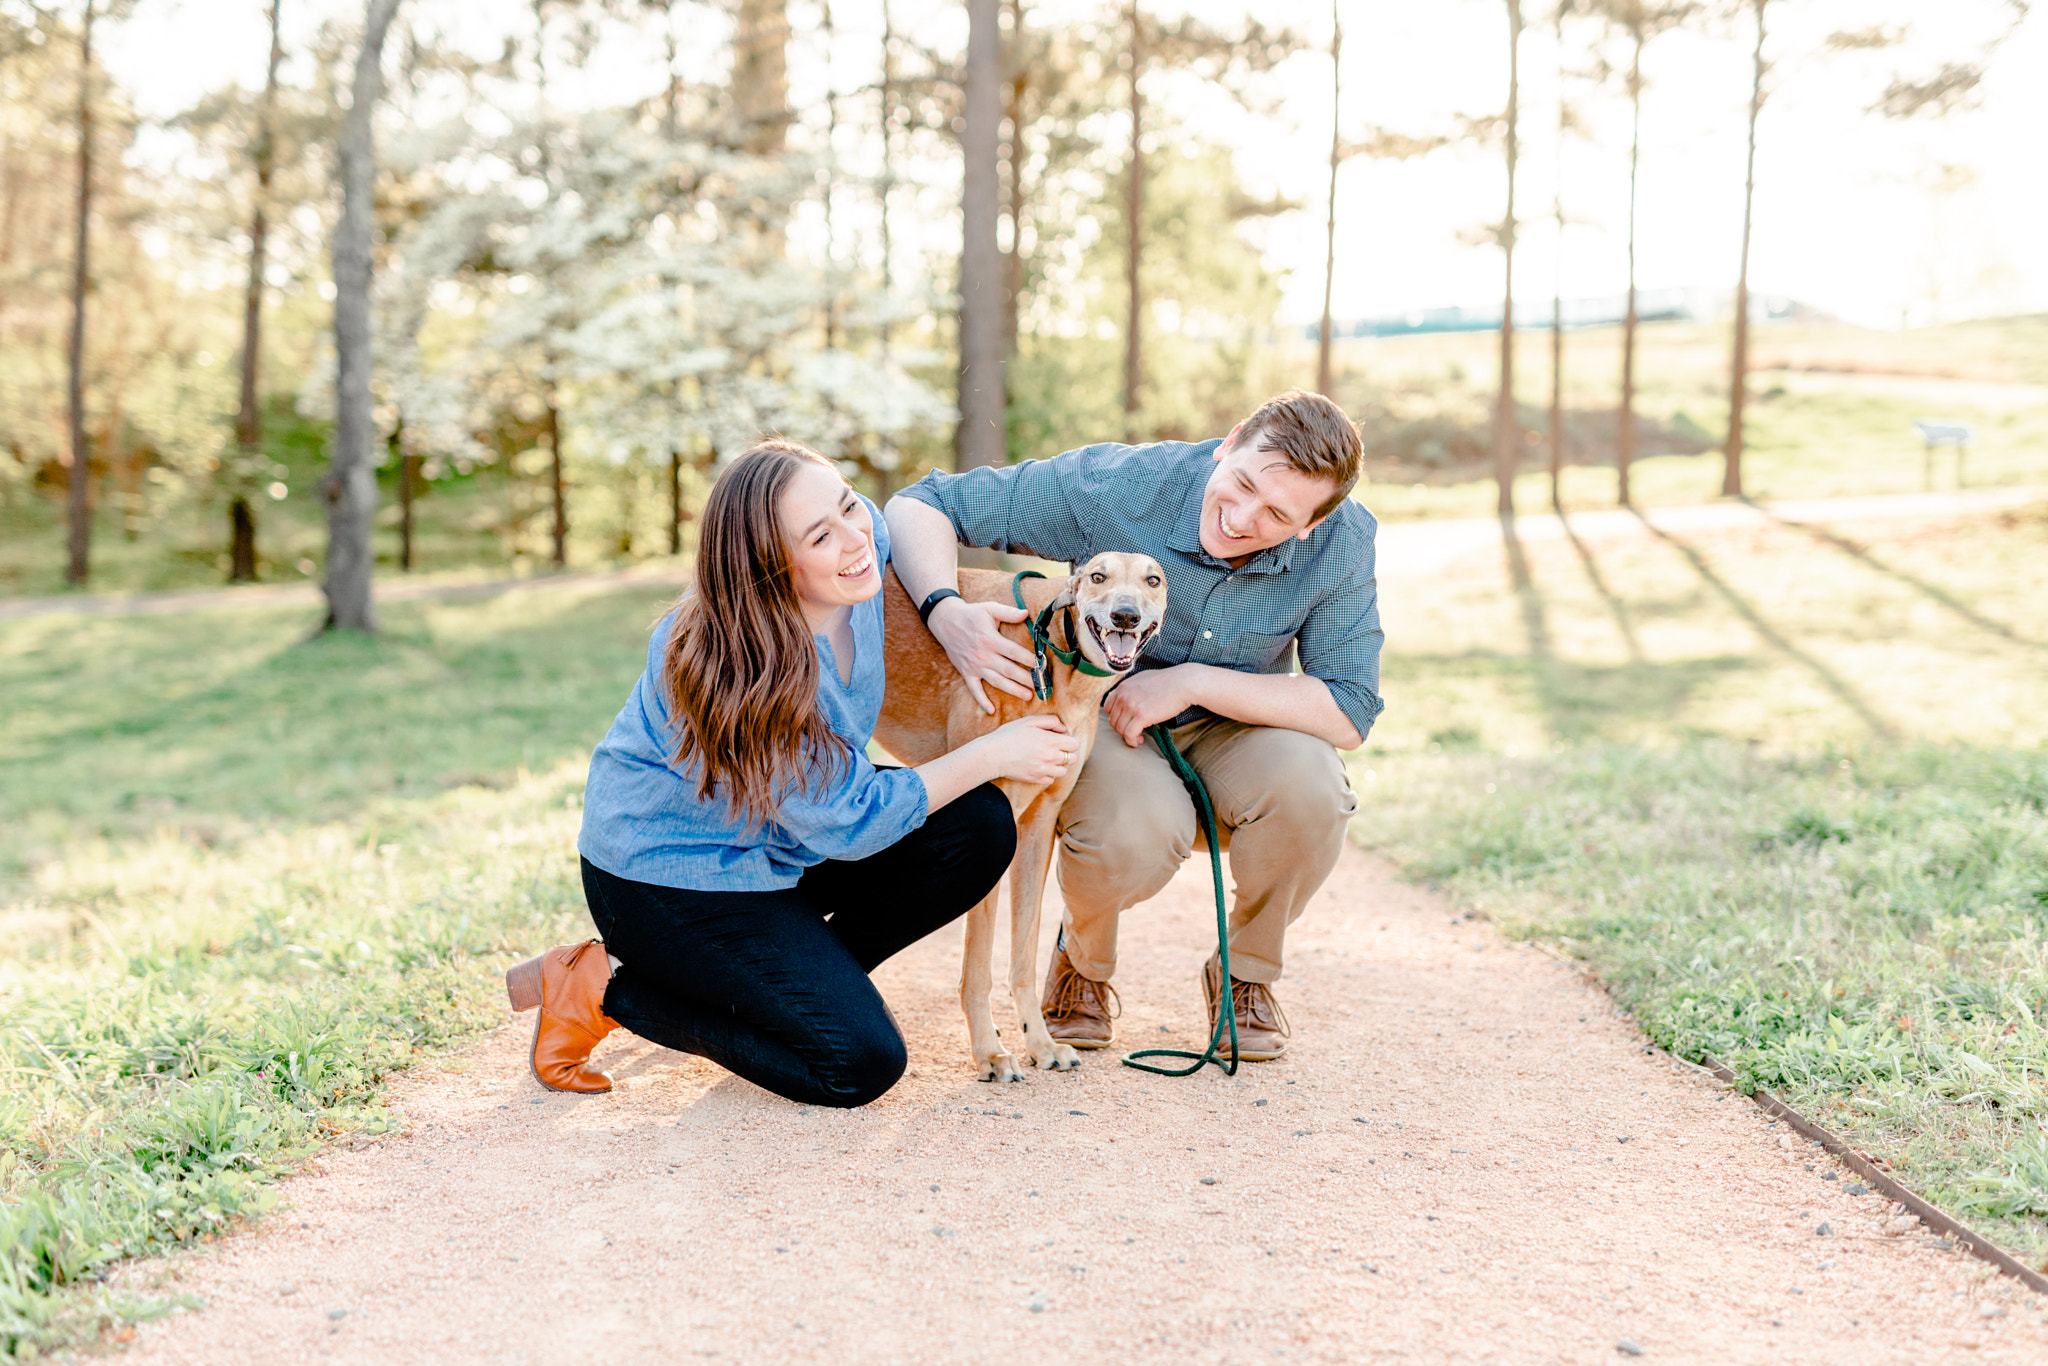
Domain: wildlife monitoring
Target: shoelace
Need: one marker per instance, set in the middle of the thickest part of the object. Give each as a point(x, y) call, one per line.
point(1074, 990)
point(1251, 1000)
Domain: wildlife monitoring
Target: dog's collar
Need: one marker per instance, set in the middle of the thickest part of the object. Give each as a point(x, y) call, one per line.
point(1042, 641)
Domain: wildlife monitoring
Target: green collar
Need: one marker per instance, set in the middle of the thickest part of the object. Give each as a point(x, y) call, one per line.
point(1042, 642)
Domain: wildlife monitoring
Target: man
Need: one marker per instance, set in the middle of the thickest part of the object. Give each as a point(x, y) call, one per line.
point(1265, 555)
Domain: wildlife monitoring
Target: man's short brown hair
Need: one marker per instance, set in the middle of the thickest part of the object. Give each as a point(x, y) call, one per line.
point(1316, 438)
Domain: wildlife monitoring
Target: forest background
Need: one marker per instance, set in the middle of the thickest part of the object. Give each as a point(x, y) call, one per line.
point(612, 240)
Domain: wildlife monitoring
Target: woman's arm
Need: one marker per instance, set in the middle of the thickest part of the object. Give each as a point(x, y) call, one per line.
point(1034, 749)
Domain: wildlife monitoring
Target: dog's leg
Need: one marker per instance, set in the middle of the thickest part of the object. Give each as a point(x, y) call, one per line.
point(992, 1061)
point(1027, 894)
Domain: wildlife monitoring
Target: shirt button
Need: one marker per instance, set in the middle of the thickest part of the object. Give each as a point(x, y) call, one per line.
point(1207, 634)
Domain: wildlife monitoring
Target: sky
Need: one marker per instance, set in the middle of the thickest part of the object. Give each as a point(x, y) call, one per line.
point(1880, 222)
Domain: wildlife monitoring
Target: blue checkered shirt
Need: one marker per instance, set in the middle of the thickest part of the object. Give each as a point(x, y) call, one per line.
point(1318, 596)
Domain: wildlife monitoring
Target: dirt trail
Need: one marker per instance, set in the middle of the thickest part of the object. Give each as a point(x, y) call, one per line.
point(1466, 1157)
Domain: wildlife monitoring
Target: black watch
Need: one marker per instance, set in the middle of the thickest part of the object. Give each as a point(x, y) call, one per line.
point(933, 599)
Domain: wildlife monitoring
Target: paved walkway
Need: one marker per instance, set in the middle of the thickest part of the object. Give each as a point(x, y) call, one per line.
point(1465, 1157)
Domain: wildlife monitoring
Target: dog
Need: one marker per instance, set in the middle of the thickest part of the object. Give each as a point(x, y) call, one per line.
point(1106, 613)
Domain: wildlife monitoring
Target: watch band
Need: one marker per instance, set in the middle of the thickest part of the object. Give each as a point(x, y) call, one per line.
point(933, 599)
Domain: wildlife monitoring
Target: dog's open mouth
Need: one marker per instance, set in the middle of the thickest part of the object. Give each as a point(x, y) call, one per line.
point(1120, 648)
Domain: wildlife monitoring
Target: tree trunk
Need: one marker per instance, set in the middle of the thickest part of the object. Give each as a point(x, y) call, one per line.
point(982, 439)
point(1016, 78)
point(885, 184)
point(351, 483)
point(1330, 227)
point(675, 500)
point(1507, 431)
point(249, 419)
point(760, 74)
point(1134, 227)
point(80, 486)
point(1557, 296)
point(557, 492)
point(1625, 433)
point(406, 469)
point(1738, 382)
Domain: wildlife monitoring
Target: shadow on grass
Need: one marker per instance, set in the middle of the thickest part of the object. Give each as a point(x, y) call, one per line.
point(1934, 592)
point(314, 729)
point(1776, 639)
point(1588, 702)
point(1599, 582)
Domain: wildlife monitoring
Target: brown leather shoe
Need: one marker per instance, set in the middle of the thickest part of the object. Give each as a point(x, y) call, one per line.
point(1078, 1011)
point(567, 983)
point(1261, 1025)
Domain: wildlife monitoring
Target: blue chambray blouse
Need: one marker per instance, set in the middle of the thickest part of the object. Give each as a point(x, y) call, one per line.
point(643, 820)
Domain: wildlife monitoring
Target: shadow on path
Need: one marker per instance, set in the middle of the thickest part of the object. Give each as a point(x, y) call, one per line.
point(1933, 591)
point(1833, 681)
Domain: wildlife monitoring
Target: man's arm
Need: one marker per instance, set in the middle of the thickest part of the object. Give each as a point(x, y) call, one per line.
point(1011, 507)
point(927, 558)
point(1300, 702)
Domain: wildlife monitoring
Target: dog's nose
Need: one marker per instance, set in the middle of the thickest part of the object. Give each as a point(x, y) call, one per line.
point(1124, 619)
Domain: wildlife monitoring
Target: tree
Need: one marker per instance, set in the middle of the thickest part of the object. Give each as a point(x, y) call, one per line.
point(351, 483)
point(1507, 432)
point(1567, 127)
point(1639, 21)
point(249, 419)
point(981, 440)
point(1738, 384)
point(79, 505)
point(1330, 223)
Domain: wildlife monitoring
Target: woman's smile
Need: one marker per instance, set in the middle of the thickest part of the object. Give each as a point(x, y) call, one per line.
point(861, 567)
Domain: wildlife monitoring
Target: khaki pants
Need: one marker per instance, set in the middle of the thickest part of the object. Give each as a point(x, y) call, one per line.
point(1282, 804)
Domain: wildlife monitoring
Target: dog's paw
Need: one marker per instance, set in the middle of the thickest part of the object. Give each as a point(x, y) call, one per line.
point(1055, 1056)
point(1000, 1066)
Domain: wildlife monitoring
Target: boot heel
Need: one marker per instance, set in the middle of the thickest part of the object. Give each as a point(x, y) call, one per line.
point(522, 984)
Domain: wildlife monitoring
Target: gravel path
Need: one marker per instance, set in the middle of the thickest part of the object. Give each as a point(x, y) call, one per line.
point(1466, 1157)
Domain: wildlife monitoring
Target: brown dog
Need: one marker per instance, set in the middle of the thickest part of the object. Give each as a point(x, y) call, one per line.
point(1106, 613)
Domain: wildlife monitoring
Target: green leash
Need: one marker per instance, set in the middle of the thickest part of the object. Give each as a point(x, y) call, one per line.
point(1041, 684)
point(1226, 1001)
point(1043, 645)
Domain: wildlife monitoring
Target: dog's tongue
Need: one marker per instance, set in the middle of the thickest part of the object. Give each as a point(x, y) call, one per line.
point(1120, 644)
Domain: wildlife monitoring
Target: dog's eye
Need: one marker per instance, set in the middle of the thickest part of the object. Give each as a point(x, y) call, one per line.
point(1098, 578)
point(1151, 580)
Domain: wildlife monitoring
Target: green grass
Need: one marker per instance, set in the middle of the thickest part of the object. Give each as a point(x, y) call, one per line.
point(244, 876)
point(1784, 793)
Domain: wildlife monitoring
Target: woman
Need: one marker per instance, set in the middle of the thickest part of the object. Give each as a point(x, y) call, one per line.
point(744, 862)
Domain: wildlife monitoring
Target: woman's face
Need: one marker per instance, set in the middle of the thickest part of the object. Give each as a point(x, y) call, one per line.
point(831, 542)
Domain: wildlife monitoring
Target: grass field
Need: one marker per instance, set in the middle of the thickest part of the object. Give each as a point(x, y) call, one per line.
point(1785, 792)
point(245, 874)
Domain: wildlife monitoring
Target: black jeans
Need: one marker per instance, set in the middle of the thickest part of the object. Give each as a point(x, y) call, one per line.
point(774, 985)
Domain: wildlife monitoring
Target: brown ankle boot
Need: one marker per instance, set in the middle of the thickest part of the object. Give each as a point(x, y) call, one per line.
point(1077, 1010)
point(567, 983)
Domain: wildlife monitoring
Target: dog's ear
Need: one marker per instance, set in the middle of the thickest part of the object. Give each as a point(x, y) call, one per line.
point(1066, 595)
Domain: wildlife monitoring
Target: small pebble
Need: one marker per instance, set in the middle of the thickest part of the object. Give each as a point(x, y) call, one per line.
point(1829, 1176)
point(1258, 1102)
point(1822, 1231)
point(1990, 1311)
point(1077, 1112)
point(1629, 1347)
point(1360, 1119)
point(1301, 1133)
point(935, 1188)
point(337, 1313)
point(1208, 1180)
point(1857, 1188)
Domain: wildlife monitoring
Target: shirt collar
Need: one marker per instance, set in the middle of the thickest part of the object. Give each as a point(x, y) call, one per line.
point(1187, 527)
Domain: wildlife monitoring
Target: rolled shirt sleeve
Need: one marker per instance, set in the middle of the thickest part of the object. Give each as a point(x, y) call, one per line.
point(1340, 644)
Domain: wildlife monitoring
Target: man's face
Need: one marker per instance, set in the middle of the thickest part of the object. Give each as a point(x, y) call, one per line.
point(1255, 500)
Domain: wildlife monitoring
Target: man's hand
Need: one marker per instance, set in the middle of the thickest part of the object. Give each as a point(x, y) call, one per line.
point(980, 652)
point(1147, 698)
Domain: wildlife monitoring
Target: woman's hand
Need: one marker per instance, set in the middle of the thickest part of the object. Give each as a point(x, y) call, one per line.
point(1034, 749)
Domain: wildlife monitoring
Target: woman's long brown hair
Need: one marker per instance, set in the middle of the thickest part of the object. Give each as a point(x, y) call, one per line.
point(740, 672)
